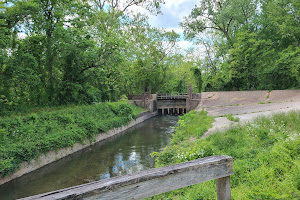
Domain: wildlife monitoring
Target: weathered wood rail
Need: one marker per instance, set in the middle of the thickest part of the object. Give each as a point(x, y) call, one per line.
point(172, 96)
point(152, 182)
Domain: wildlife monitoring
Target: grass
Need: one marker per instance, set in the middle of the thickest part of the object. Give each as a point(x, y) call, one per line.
point(231, 118)
point(262, 102)
point(266, 155)
point(25, 137)
point(191, 126)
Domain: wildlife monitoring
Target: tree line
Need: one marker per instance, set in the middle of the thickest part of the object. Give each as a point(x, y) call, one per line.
point(78, 51)
point(248, 44)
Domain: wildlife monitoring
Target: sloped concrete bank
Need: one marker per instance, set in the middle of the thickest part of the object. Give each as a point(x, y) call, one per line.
point(246, 105)
point(52, 156)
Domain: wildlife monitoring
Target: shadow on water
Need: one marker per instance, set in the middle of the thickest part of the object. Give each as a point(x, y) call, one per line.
point(122, 154)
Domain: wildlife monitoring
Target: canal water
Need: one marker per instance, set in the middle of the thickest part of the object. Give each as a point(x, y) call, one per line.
point(126, 153)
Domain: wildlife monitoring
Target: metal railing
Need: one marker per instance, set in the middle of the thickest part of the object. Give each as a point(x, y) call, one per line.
point(172, 96)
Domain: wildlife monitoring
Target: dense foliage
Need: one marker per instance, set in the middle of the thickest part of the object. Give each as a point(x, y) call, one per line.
point(83, 51)
point(265, 153)
point(25, 137)
point(248, 44)
point(79, 52)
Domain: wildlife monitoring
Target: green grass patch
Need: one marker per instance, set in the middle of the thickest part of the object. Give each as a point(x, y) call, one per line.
point(191, 126)
point(263, 102)
point(265, 154)
point(25, 137)
point(232, 118)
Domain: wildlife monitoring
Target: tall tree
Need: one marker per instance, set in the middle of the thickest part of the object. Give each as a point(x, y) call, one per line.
point(150, 48)
point(223, 16)
point(44, 18)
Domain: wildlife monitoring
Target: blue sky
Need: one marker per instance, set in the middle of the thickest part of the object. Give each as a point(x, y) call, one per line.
point(173, 13)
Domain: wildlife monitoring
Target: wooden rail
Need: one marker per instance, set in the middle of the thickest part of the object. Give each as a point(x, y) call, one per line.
point(152, 182)
point(172, 96)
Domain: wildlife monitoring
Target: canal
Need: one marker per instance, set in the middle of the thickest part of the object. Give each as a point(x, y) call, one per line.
point(122, 154)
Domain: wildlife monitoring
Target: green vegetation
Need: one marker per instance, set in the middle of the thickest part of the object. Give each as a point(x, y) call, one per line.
point(23, 138)
point(80, 52)
point(182, 147)
point(263, 102)
point(75, 53)
point(249, 44)
point(266, 157)
point(232, 118)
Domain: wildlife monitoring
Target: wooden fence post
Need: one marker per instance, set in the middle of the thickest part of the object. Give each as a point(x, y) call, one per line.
point(223, 188)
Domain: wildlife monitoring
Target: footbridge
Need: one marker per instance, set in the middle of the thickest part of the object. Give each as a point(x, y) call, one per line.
point(168, 104)
point(172, 103)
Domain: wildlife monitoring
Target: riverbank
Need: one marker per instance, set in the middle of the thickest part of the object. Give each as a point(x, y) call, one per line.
point(115, 115)
point(265, 153)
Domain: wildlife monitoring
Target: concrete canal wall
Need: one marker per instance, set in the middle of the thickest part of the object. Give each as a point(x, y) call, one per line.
point(52, 156)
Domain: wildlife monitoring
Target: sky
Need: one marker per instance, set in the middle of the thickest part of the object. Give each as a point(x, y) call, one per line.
point(173, 12)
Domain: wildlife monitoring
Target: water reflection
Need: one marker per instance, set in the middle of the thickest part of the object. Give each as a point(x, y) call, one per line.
point(122, 154)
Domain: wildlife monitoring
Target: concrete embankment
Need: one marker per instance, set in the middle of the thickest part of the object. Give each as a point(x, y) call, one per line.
point(52, 156)
point(246, 105)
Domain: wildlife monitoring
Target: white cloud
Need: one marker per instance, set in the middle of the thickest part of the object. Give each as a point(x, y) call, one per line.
point(21, 35)
point(173, 12)
point(180, 7)
point(184, 44)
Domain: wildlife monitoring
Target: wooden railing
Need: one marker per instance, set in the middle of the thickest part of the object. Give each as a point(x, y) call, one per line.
point(154, 181)
point(172, 96)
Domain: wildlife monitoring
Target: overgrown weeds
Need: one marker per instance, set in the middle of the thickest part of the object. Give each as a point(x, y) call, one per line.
point(232, 118)
point(265, 153)
point(183, 145)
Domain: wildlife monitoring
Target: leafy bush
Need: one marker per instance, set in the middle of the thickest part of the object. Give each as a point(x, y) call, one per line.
point(266, 157)
point(23, 138)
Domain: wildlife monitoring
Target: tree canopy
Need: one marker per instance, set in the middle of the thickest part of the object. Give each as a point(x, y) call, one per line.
point(249, 45)
point(79, 51)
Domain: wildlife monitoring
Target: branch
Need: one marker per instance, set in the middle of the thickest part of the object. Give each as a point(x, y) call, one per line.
point(208, 50)
point(227, 29)
point(117, 2)
point(153, 68)
point(129, 4)
point(101, 5)
point(112, 4)
point(219, 28)
point(220, 5)
point(207, 17)
point(93, 65)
